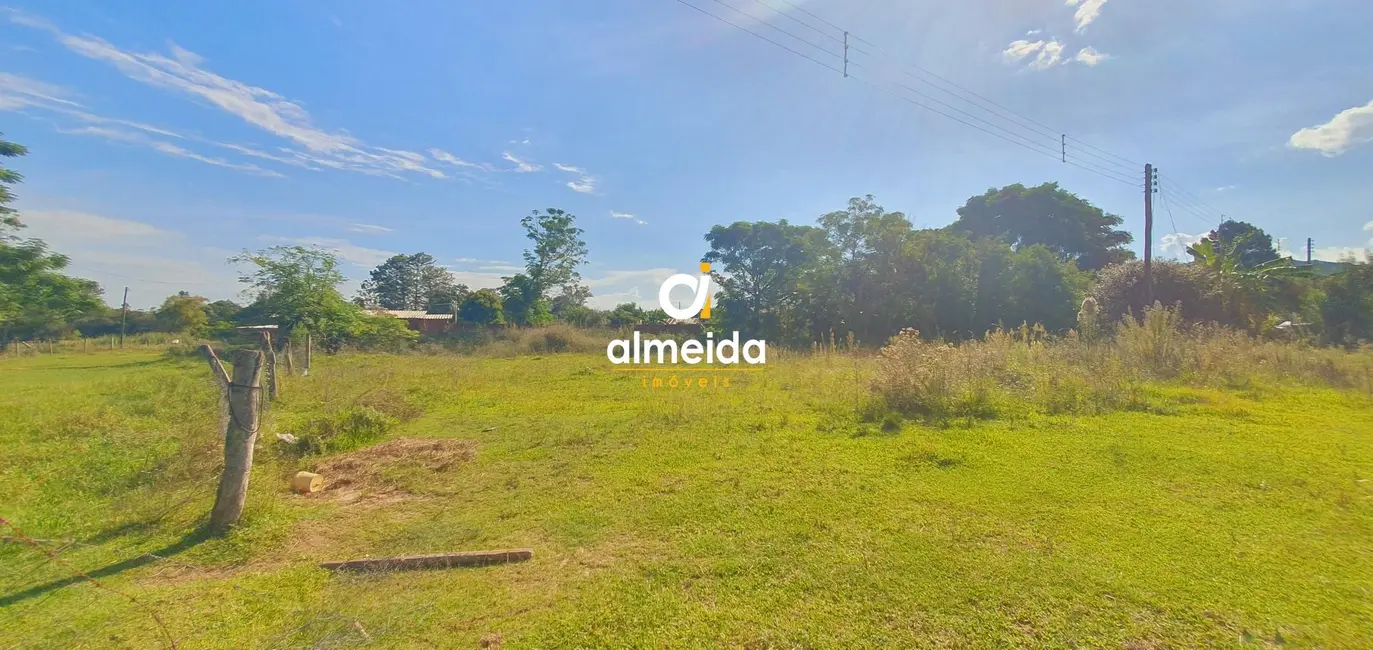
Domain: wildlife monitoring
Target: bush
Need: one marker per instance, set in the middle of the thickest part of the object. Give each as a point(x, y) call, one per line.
point(1026, 369)
point(1119, 290)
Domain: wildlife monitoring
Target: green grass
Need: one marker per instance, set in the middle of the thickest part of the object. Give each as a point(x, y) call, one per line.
point(772, 513)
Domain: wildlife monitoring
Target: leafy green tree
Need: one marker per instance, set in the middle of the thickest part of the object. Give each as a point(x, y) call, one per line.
point(1044, 289)
point(35, 299)
point(447, 300)
point(582, 316)
point(1346, 307)
point(553, 261)
point(522, 302)
point(758, 267)
point(9, 220)
point(1047, 215)
point(1247, 293)
point(1250, 245)
point(482, 307)
point(297, 287)
point(859, 265)
point(410, 282)
point(626, 315)
point(183, 312)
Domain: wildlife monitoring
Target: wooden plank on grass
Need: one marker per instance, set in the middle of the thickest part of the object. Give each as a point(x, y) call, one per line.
point(440, 561)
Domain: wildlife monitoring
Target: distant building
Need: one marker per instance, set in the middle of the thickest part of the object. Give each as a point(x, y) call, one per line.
point(421, 321)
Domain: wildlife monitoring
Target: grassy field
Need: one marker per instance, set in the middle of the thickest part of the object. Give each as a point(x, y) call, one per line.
point(766, 514)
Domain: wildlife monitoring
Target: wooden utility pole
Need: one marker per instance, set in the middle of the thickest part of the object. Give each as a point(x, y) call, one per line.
point(245, 401)
point(124, 317)
point(1148, 235)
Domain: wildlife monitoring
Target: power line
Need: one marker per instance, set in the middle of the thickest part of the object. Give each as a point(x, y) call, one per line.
point(740, 27)
point(1014, 138)
point(774, 28)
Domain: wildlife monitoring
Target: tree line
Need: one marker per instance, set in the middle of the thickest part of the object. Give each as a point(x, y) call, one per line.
point(1013, 255)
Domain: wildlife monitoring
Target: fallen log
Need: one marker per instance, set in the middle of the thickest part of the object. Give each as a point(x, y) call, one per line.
point(440, 561)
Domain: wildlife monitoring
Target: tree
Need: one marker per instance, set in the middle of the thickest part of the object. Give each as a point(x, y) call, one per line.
point(1071, 227)
point(522, 302)
point(1246, 292)
point(1347, 305)
point(410, 282)
point(297, 287)
point(626, 315)
point(759, 266)
point(1250, 245)
point(9, 220)
point(184, 313)
point(558, 251)
point(482, 307)
point(446, 300)
point(35, 299)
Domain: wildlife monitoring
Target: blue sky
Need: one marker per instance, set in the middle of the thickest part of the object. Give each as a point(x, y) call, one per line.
point(167, 136)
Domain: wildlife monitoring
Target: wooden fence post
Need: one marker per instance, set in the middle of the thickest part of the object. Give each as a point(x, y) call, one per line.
point(271, 357)
point(221, 381)
point(290, 363)
point(309, 344)
point(245, 399)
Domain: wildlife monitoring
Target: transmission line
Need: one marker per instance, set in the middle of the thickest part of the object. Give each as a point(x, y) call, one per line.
point(1008, 135)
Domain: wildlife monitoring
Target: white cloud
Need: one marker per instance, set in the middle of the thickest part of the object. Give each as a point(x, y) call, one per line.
point(1347, 129)
point(1225, 188)
point(1087, 12)
point(346, 250)
point(153, 261)
point(1048, 53)
point(586, 184)
point(626, 215)
point(1368, 226)
point(18, 91)
point(521, 166)
point(1176, 243)
point(443, 156)
point(369, 229)
point(1020, 49)
point(620, 286)
point(1340, 253)
point(182, 72)
point(174, 150)
point(1090, 56)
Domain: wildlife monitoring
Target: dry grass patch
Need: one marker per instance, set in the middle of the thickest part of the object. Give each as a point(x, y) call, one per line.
point(395, 469)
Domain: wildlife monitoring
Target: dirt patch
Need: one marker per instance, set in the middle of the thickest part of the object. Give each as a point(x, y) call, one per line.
point(386, 471)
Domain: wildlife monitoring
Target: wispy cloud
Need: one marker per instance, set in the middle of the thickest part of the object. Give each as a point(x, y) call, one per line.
point(586, 184)
point(1340, 253)
point(1368, 226)
point(626, 215)
point(182, 72)
point(1225, 188)
point(521, 165)
point(1087, 12)
point(369, 229)
point(1349, 128)
point(347, 251)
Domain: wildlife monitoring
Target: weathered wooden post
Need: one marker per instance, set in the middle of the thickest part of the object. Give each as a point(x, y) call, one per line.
point(290, 363)
point(271, 355)
point(244, 404)
point(309, 345)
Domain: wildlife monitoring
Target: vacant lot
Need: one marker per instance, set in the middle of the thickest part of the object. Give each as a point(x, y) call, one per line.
point(765, 514)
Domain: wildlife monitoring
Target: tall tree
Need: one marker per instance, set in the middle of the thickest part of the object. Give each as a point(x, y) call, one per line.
point(759, 268)
point(410, 282)
point(1249, 244)
point(558, 251)
point(482, 307)
point(35, 299)
point(1047, 215)
point(9, 220)
point(183, 312)
point(294, 286)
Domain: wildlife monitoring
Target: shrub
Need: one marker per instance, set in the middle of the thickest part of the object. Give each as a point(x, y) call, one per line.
point(1119, 290)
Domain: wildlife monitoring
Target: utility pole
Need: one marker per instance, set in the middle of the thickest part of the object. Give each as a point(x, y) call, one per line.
point(1063, 146)
point(123, 317)
point(1148, 235)
point(1309, 243)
